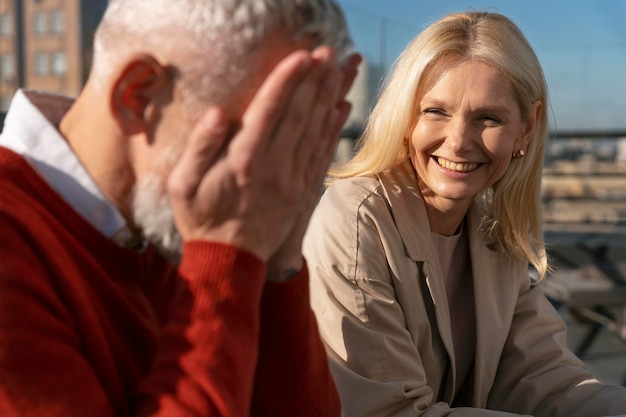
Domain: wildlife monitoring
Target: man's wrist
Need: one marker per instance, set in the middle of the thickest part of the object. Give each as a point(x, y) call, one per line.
point(281, 275)
point(284, 271)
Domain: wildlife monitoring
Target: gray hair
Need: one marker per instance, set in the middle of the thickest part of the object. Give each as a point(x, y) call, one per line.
point(213, 39)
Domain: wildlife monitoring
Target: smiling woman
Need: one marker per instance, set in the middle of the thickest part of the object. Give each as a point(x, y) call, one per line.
point(419, 249)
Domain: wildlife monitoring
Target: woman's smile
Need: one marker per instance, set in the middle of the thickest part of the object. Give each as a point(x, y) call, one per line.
point(456, 166)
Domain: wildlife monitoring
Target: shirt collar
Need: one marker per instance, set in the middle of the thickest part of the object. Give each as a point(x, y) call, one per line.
point(30, 129)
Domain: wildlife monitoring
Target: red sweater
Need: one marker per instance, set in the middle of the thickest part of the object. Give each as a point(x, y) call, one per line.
point(88, 328)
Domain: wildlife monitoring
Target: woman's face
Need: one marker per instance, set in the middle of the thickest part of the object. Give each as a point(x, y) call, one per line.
point(468, 125)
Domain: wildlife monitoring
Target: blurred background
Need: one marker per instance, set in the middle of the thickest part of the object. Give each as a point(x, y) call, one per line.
point(47, 45)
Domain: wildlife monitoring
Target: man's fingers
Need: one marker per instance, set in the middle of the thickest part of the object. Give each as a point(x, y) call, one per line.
point(328, 143)
point(343, 111)
point(307, 115)
point(266, 110)
point(322, 112)
point(328, 128)
point(203, 147)
point(301, 116)
point(308, 111)
point(350, 70)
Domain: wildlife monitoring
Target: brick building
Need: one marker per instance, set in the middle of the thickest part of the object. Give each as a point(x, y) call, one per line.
point(46, 45)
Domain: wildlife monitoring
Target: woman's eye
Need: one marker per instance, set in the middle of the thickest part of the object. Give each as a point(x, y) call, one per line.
point(433, 112)
point(491, 119)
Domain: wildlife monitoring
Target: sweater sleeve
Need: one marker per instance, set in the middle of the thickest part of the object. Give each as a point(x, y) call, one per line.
point(292, 377)
point(206, 361)
point(239, 362)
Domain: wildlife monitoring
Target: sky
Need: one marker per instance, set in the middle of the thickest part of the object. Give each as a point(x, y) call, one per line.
point(581, 45)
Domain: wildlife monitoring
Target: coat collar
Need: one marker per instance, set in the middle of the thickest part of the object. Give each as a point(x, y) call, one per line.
point(407, 207)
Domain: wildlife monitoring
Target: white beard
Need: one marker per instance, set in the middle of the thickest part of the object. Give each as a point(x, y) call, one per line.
point(152, 211)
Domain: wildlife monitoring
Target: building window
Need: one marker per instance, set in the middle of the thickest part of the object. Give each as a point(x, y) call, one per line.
point(41, 63)
point(6, 25)
point(40, 23)
point(57, 24)
point(58, 63)
point(6, 68)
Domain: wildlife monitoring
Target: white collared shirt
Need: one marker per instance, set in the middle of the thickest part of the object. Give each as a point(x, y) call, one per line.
point(30, 129)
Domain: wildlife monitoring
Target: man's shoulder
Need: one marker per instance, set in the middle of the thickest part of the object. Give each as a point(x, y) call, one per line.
point(385, 187)
point(16, 174)
point(24, 195)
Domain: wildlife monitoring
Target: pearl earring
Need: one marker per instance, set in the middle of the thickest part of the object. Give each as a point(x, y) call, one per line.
point(518, 154)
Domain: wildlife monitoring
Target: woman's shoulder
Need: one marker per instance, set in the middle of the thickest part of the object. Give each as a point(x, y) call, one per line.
point(358, 189)
point(354, 189)
point(348, 201)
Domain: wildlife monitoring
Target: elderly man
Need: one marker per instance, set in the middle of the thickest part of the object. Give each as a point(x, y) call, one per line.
point(151, 229)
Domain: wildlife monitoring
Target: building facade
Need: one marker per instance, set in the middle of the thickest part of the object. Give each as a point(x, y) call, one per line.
point(46, 45)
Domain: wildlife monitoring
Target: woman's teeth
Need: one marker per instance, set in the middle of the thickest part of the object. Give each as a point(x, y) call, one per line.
point(454, 166)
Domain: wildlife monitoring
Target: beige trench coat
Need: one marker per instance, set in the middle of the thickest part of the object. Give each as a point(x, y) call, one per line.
point(380, 301)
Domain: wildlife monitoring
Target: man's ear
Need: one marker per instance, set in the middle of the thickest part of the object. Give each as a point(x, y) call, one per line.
point(139, 89)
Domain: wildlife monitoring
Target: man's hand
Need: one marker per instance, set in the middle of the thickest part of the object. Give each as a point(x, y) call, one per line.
point(249, 188)
point(287, 260)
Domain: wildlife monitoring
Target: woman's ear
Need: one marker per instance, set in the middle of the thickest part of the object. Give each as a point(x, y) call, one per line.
point(138, 92)
point(534, 114)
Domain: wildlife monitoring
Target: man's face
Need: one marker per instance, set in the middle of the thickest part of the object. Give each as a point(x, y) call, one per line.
point(151, 208)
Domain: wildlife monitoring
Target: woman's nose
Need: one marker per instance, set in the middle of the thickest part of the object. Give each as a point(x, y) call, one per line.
point(459, 135)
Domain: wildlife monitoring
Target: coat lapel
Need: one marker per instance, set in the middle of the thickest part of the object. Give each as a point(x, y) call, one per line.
point(495, 296)
point(411, 219)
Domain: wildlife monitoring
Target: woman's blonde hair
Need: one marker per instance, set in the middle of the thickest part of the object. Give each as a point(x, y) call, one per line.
point(512, 207)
